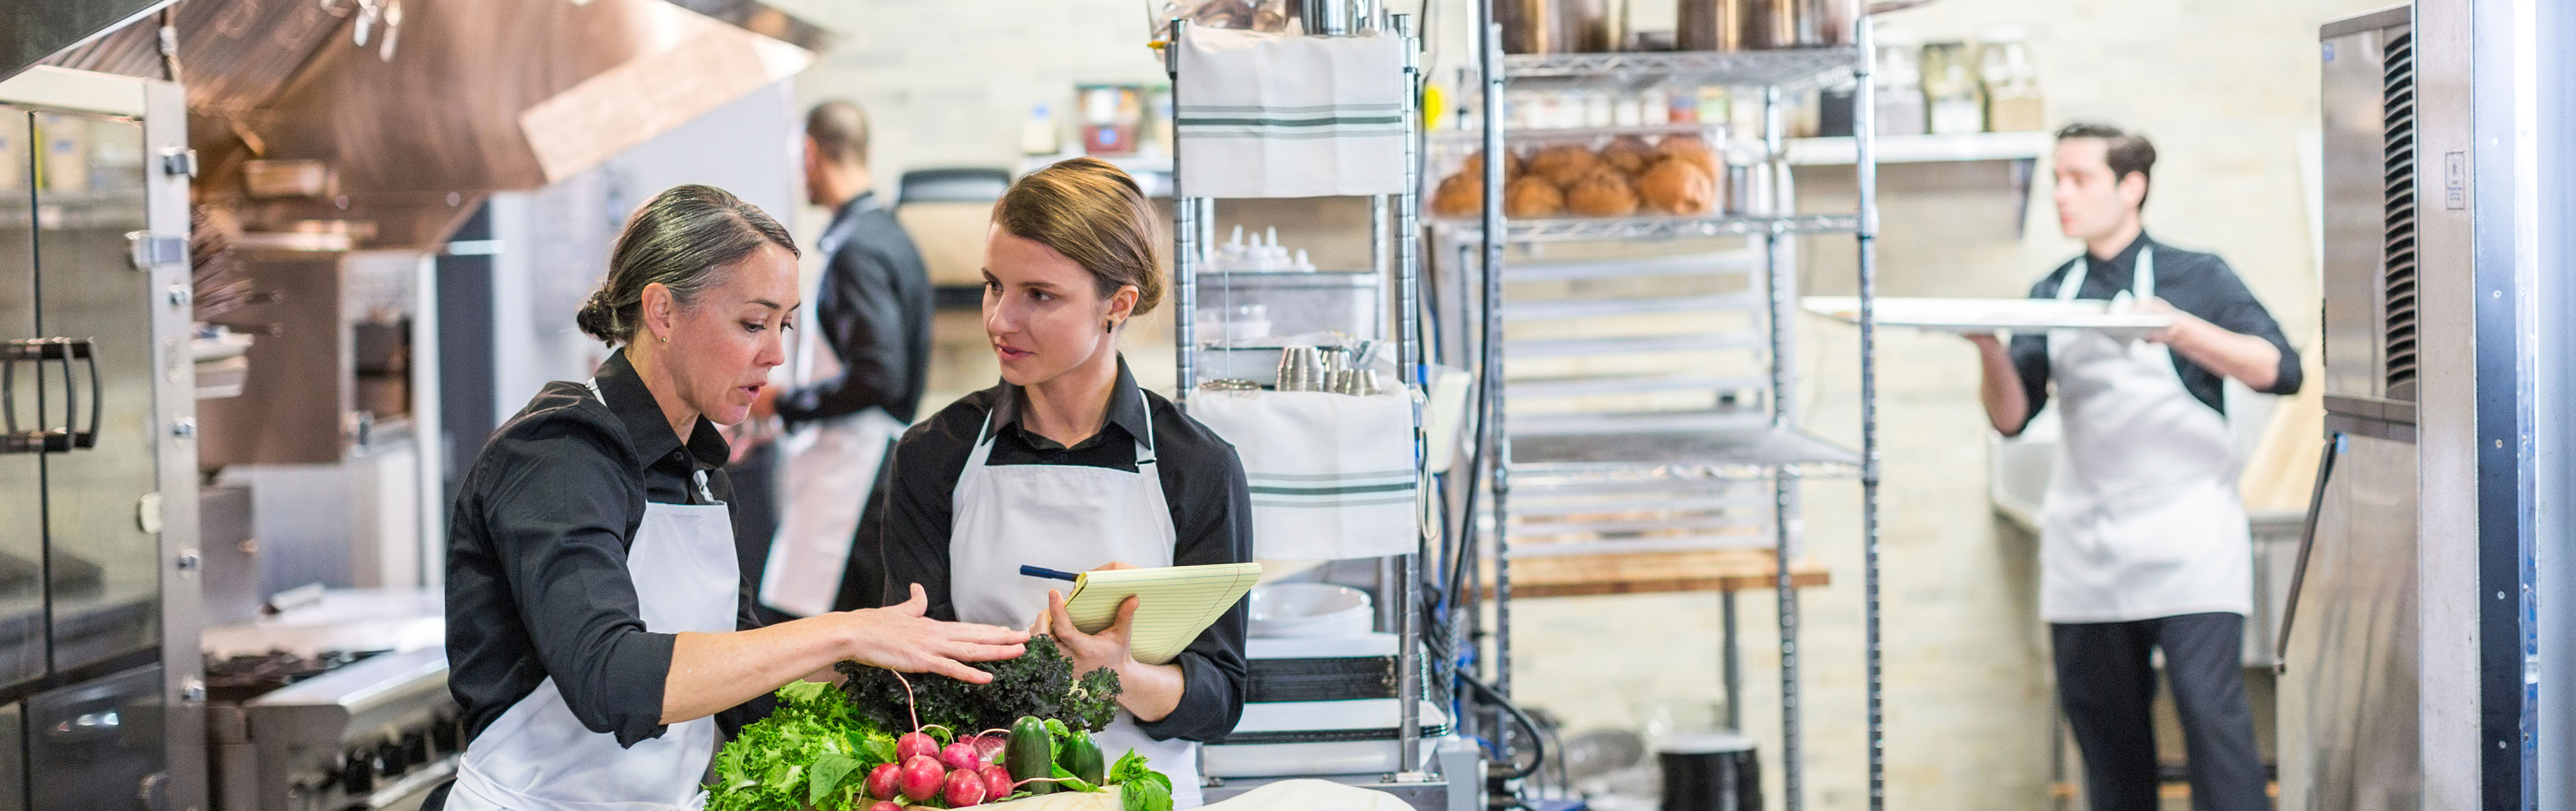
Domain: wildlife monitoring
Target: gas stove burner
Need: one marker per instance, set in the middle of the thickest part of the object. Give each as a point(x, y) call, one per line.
point(241, 678)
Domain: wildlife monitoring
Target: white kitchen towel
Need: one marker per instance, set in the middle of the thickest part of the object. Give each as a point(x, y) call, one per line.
point(1331, 474)
point(1274, 115)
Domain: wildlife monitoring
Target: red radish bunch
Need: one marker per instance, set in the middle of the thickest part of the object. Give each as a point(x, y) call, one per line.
point(914, 744)
point(881, 782)
point(964, 788)
point(960, 756)
point(960, 774)
point(921, 777)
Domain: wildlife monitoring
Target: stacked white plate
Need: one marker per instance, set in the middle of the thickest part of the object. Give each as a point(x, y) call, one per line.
point(1301, 610)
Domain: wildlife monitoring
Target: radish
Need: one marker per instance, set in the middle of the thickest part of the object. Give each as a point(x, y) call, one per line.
point(885, 805)
point(960, 756)
point(921, 777)
point(997, 781)
point(881, 781)
point(988, 746)
point(915, 744)
point(964, 788)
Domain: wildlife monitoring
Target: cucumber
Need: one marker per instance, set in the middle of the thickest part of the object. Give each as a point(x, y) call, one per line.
point(1082, 757)
point(1030, 753)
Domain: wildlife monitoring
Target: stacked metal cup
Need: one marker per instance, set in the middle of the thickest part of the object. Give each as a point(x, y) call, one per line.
point(1300, 369)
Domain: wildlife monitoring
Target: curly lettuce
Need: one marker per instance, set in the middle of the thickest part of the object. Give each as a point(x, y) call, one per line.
point(814, 752)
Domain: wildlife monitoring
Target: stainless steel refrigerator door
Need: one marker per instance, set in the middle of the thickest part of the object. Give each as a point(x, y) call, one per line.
point(104, 550)
point(2348, 691)
point(97, 746)
point(22, 493)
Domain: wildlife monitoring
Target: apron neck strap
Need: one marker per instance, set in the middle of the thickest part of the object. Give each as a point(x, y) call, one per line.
point(985, 435)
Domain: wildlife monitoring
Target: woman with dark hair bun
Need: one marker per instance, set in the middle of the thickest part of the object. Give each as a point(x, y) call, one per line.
point(1069, 465)
point(598, 627)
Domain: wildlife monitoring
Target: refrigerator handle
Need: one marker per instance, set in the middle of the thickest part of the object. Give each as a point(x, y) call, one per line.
point(2307, 543)
point(43, 439)
point(86, 351)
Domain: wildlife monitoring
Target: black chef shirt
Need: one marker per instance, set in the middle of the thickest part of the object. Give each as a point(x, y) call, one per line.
point(1202, 482)
point(874, 310)
point(536, 557)
point(2197, 283)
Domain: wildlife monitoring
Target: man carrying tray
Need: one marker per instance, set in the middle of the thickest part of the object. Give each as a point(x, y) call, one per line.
point(2143, 542)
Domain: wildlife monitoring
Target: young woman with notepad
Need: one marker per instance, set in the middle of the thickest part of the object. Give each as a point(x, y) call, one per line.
point(1068, 465)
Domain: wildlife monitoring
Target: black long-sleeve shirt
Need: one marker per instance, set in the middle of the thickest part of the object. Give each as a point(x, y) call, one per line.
point(536, 557)
point(2197, 283)
point(874, 309)
point(1202, 482)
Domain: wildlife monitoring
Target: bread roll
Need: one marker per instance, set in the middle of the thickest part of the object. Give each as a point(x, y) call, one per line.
point(1603, 193)
point(1691, 148)
point(1532, 196)
point(1676, 185)
point(1462, 195)
point(1629, 154)
point(1562, 164)
point(1475, 165)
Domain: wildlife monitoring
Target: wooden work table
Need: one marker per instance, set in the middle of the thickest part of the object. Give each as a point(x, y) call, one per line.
point(1726, 570)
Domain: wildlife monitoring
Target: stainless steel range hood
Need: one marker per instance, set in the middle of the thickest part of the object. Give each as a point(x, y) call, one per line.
point(416, 108)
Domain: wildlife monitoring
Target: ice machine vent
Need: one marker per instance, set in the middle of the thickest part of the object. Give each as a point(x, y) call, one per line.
point(2397, 103)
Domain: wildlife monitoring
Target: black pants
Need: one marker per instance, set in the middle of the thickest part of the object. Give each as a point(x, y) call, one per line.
point(2108, 687)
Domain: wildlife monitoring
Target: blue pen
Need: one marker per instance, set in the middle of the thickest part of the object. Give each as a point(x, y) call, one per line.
point(1033, 571)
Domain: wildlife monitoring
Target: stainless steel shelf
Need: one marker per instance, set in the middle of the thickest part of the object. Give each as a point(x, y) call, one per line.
point(1524, 528)
point(1636, 384)
point(1787, 68)
point(1693, 264)
point(1607, 229)
point(1562, 308)
point(1469, 139)
point(1722, 454)
point(1569, 347)
point(1630, 546)
point(1551, 502)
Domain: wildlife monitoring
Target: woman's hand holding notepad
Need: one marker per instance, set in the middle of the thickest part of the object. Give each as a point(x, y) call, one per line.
point(1174, 603)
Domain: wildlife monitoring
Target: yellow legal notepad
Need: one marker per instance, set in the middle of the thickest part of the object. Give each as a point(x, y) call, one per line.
point(1176, 603)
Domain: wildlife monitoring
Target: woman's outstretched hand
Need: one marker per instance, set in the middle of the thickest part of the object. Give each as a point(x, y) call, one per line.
point(900, 638)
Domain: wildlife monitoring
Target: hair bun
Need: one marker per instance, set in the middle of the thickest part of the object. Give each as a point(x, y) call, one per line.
point(597, 319)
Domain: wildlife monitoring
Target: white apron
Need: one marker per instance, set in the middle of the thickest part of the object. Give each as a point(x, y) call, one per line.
point(1068, 518)
point(538, 757)
point(827, 470)
point(2142, 518)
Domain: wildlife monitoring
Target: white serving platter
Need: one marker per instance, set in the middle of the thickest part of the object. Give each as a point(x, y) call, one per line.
point(1981, 315)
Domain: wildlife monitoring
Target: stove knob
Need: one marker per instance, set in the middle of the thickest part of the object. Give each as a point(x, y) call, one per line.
point(415, 745)
point(358, 773)
point(390, 760)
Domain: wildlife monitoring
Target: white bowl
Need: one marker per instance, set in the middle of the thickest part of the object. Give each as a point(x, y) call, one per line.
point(1309, 610)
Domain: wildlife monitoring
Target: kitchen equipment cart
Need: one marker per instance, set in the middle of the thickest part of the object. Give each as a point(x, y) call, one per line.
point(1395, 239)
point(1596, 476)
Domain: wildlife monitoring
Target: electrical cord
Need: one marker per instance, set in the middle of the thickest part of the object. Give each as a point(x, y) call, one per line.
point(1538, 742)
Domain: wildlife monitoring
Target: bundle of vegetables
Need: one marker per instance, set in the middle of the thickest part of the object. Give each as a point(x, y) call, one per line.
point(1035, 756)
point(825, 749)
point(1040, 682)
point(805, 755)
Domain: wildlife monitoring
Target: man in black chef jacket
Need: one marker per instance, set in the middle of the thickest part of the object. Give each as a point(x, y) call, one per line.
point(2143, 540)
point(871, 324)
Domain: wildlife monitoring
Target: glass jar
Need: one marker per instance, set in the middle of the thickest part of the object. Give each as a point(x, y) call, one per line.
point(1953, 94)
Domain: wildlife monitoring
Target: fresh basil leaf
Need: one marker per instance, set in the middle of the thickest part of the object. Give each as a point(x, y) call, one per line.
point(1145, 795)
point(826, 775)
